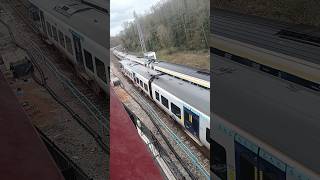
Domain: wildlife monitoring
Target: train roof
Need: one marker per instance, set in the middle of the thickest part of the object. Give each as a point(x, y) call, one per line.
point(127, 62)
point(103, 4)
point(144, 71)
point(283, 115)
point(137, 59)
point(89, 21)
point(298, 41)
point(194, 72)
point(139, 69)
point(194, 95)
point(23, 154)
point(129, 156)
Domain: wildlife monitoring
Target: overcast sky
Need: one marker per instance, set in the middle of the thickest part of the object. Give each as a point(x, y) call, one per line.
point(122, 11)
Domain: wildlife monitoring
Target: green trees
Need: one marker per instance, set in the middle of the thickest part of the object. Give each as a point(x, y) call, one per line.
point(172, 24)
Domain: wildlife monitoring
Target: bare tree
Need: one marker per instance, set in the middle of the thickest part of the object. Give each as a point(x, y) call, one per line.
point(177, 24)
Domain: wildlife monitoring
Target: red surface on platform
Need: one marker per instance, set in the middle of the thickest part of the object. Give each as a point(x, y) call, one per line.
point(23, 155)
point(129, 156)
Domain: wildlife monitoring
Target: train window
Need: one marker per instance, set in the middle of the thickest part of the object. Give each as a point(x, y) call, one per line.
point(157, 96)
point(300, 81)
point(54, 33)
point(269, 175)
point(176, 110)
point(247, 170)
point(101, 70)
point(43, 23)
point(69, 44)
point(269, 70)
point(208, 135)
point(61, 39)
point(217, 51)
point(88, 59)
point(145, 86)
point(34, 10)
point(141, 83)
point(108, 72)
point(49, 29)
point(241, 60)
point(255, 65)
point(219, 160)
point(227, 55)
point(164, 102)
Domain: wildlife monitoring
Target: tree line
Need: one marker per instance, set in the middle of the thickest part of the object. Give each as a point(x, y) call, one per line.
point(171, 25)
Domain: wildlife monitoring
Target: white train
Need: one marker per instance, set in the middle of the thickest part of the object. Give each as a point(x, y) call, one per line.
point(186, 103)
point(265, 120)
point(289, 52)
point(262, 133)
point(80, 32)
point(193, 75)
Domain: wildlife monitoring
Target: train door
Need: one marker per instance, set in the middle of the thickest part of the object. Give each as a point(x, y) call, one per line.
point(191, 122)
point(249, 166)
point(78, 50)
point(134, 76)
point(267, 171)
point(246, 163)
point(43, 23)
point(135, 79)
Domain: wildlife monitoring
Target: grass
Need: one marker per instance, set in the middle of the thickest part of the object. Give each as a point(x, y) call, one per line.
point(196, 59)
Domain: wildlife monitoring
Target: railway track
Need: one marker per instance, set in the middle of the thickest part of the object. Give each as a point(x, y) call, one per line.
point(95, 120)
point(100, 105)
point(155, 112)
point(39, 47)
point(76, 139)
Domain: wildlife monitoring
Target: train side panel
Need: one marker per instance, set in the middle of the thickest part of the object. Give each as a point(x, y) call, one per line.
point(171, 99)
point(99, 54)
point(204, 121)
point(237, 155)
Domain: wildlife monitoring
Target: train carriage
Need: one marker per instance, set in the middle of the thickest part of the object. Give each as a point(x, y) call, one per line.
point(126, 68)
point(143, 78)
point(289, 52)
point(65, 25)
point(268, 129)
point(138, 74)
point(277, 137)
point(142, 61)
point(196, 76)
point(119, 54)
point(186, 103)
